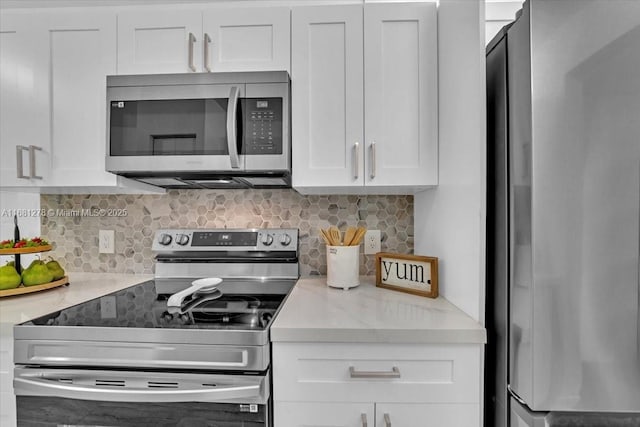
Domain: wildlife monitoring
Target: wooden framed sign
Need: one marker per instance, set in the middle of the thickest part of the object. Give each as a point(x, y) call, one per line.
point(407, 273)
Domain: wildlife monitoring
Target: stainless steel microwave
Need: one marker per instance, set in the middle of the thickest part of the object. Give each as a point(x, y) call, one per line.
point(200, 130)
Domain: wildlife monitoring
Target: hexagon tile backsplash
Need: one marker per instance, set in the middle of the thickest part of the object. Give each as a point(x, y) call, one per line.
point(72, 223)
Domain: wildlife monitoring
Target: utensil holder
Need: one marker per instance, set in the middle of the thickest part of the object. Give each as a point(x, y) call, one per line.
point(343, 266)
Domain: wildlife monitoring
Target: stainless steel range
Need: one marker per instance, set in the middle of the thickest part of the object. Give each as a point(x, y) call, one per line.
point(183, 349)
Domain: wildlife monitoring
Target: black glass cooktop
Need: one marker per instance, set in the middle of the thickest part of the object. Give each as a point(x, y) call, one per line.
point(145, 306)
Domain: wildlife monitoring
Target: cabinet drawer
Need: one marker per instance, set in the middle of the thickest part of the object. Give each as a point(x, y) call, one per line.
point(376, 372)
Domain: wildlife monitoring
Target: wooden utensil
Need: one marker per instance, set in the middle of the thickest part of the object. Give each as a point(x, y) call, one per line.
point(325, 236)
point(359, 236)
point(336, 236)
point(349, 235)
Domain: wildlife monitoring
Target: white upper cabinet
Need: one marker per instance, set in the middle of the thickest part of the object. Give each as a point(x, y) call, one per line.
point(247, 39)
point(80, 52)
point(170, 40)
point(401, 94)
point(327, 96)
point(371, 128)
point(159, 41)
point(24, 142)
point(53, 89)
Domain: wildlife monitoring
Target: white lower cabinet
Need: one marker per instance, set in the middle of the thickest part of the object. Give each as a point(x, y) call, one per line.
point(426, 415)
point(332, 414)
point(333, 384)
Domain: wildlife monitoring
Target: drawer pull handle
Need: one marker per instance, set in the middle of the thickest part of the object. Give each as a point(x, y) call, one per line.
point(363, 418)
point(394, 373)
point(387, 420)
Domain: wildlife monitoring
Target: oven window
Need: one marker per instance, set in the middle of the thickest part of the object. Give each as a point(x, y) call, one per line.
point(182, 127)
point(44, 411)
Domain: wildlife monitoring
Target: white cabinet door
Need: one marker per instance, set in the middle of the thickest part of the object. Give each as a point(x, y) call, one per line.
point(7, 398)
point(403, 373)
point(312, 414)
point(23, 121)
point(81, 53)
point(152, 41)
point(401, 94)
point(427, 415)
point(327, 96)
point(247, 39)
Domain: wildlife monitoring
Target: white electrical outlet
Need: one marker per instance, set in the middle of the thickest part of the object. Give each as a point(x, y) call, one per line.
point(106, 242)
point(108, 307)
point(372, 242)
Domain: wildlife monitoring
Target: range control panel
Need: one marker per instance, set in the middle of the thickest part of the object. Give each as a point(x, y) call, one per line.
point(213, 240)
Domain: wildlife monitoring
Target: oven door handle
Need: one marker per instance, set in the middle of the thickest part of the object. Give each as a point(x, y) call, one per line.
point(45, 387)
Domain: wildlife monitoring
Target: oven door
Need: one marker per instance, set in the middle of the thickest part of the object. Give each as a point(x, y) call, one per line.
point(73, 397)
point(175, 128)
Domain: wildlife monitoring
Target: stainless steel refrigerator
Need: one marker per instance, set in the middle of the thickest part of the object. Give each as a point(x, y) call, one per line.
point(563, 216)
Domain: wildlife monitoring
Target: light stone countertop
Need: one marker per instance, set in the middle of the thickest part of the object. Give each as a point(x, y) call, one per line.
point(315, 312)
point(82, 287)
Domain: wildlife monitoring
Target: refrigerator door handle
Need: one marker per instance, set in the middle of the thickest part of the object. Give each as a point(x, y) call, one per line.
point(515, 396)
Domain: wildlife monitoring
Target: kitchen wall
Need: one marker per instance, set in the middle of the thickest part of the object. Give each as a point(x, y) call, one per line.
point(450, 219)
point(68, 224)
point(499, 13)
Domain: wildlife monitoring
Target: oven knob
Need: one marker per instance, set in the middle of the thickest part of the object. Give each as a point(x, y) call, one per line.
point(267, 240)
point(285, 240)
point(182, 239)
point(164, 239)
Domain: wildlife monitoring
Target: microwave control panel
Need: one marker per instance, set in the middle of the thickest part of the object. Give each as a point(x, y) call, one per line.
point(263, 126)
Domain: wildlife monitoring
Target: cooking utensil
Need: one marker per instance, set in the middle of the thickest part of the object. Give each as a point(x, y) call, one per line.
point(207, 284)
point(352, 237)
point(336, 236)
point(326, 237)
point(349, 235)
point(195, 302)
point(357, 239)
point(16, 239)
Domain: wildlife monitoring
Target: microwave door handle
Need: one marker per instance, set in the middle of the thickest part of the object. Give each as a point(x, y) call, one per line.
point(232, 136)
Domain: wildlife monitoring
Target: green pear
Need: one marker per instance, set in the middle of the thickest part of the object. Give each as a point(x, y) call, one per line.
point(9, 277)
point(36, 274)
point(56, 270)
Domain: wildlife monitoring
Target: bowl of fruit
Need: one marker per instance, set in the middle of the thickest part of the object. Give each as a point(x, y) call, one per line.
point(39, 275)
point(24, 246)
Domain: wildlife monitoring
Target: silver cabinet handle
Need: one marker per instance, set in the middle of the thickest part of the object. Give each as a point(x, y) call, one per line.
point(356, 159)
point(192, 41)
point(232, 137)
point(363, 418)
point(32, 161)
point(207, 41)
point(387, 420)
point(394, 373)
point(46, 387)
point(19, 169)
point(372, 147)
